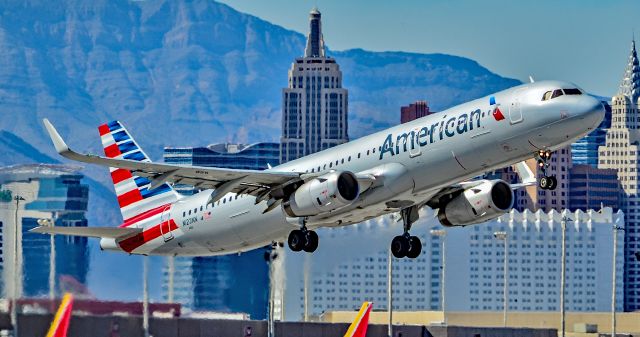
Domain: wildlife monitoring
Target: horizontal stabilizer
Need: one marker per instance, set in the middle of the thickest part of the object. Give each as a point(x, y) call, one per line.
point(91, 232)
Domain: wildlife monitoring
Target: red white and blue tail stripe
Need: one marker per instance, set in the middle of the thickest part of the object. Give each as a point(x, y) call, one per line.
point(137, 201)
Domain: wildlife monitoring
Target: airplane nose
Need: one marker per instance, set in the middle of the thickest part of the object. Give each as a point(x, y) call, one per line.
point(591, 110)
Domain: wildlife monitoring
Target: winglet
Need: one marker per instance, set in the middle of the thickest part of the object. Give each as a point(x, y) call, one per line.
point(60, 324)
point(526, 175)
point(58, 142)
point(359, 326)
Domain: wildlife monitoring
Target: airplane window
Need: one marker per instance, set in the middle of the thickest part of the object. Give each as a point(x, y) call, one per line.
point(349, 158)
point(374, 150)
point(318, 168)
point(572, 91)
point(224, 201)
point(324, 167)
point(368, 152)
point(358, 155)
point(546, 96)
point(342, 162)
point(200, 208)
point(336, 163)
point(330, 165)
point(195, 210)
point(557, 93)
point(189, 212)
point(312, 170)
point(184, 214)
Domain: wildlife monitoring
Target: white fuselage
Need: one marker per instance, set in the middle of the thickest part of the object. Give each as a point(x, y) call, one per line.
point(411, 163)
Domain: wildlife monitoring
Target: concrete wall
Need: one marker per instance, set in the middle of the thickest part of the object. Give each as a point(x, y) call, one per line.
point(103, 326)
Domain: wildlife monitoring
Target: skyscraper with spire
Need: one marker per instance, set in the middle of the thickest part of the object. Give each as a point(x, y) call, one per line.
point(314, 105)
point(621, 152)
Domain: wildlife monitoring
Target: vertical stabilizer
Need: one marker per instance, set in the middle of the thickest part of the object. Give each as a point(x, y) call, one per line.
point(359, 326)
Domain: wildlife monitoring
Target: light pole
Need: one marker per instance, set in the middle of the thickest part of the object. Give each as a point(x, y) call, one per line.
point(16, 280)
point(504, 237)
point(52, 261)
point(145, 295)
point(613, 288)
point(390, 292)
point(563, 273)
point(172, 270)
point(442, 234)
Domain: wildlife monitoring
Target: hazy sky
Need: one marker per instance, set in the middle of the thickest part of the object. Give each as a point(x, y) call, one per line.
point(583, 41)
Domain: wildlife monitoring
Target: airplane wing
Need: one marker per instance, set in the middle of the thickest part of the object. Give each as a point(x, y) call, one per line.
point(225, 180)
point(91, 232)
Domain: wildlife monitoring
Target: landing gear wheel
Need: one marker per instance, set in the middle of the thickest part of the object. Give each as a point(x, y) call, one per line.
point(311, 242)
point(415, 247)
point(400, 246)
point(544, 183)
point(297, 240)
point(553, 183)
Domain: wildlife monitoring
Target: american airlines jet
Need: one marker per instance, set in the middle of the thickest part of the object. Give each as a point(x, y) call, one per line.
point(429, 162)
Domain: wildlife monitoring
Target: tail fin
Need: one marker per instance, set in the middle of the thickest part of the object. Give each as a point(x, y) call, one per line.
point(60, 323)
point(359, 326)
point(136, 198)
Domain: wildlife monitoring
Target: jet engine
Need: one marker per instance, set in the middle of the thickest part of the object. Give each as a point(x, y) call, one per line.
point(323, 194)
point(488, 200)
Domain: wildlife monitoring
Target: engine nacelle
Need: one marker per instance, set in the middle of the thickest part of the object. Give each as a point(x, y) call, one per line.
point(489, 200)
point(323, 194)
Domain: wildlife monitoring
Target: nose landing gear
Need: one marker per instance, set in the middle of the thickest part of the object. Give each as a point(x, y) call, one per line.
point(406, 245)
point(546, 182)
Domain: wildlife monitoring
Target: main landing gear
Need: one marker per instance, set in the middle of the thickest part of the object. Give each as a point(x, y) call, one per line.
point(406, 245)
point(546, 182)
point(303, 239)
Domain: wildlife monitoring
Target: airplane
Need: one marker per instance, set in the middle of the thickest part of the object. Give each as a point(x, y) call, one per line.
point(433, 161)
point(358, 327)
point(60, 323)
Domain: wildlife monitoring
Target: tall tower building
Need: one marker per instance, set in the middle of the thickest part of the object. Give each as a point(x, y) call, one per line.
point(620, 153)
point(314, 105)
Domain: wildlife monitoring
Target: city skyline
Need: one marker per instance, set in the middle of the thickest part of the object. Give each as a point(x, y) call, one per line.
point(562, 43)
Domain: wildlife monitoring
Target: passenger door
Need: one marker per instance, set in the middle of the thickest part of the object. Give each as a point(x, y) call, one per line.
point(515, 110)
point(165, 224)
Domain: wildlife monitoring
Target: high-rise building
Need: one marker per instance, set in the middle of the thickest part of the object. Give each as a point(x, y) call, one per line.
point(230, 283)
point(45, 192)
point(620, 153)
point(414, 111)
point(314, 105)
point(351, 265)
point(593, 188)
point(585, 150)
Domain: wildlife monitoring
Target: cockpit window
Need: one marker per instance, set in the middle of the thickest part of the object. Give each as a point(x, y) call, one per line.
point(573, 91)
point(557, 93)
point(546, 96)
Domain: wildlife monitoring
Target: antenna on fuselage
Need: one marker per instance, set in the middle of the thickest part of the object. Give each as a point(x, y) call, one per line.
point(531, 79)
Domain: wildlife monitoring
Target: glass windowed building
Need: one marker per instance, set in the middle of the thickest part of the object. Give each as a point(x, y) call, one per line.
point(230, 283)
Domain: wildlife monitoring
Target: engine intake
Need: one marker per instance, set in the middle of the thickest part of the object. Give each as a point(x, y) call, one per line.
point(323, 194)
point(487, 201)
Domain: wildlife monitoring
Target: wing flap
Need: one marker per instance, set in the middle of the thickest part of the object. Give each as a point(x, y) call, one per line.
point(91, 232)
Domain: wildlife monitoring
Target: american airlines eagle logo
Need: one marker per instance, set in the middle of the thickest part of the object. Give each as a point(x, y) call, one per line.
point(497, 114)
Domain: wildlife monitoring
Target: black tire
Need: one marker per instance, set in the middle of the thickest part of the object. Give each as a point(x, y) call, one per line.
point(415, 247)
point(553, 183)
point(311, 242)
point(297, 240)
point(399, 246)
point(543, 183)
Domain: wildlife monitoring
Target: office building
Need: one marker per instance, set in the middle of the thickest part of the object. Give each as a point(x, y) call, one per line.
point(54, 193)
point(585, 150)
point(350, 265)
point(230, 283)
point(414, 111)
point(593, 188)
point(620, 153)
point(314, 105)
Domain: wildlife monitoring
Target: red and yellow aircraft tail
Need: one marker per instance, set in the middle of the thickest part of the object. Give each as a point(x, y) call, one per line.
point(60, 323)
point(359, 326)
